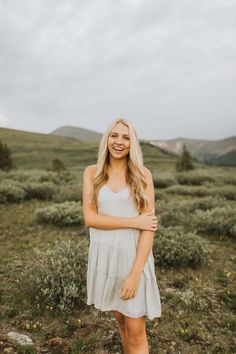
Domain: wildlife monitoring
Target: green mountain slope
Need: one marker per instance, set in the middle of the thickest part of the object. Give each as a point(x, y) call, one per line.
point(36, 150)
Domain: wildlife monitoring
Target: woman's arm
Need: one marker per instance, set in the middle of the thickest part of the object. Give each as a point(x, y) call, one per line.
point(130, 283)
point(102, 221)
point(146, 237)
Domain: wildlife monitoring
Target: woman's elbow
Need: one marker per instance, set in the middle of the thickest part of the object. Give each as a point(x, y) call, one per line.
point(88, 220)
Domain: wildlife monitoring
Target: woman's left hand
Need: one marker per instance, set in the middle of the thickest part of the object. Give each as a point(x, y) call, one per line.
point(130, 285)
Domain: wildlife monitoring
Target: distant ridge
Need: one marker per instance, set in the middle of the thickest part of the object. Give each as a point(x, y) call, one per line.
point(81, 134)
point(211, 151)
point(222, 151)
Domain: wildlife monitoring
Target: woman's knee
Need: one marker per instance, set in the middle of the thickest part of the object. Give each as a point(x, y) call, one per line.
point(135, 327)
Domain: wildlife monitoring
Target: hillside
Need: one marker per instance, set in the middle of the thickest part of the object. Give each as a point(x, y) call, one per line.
point(37, 150)
point(81, 134)
point(211, 151)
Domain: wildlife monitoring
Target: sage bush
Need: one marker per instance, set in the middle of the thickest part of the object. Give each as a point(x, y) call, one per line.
point(226, 192)
point(69, 192)
point(11, 192)
point(218, 221)
point(163, 181)
point(195, 178)
point(56, 277)
point(43, 190)
point(67, 213)
point(173, 247)
point(182, 212)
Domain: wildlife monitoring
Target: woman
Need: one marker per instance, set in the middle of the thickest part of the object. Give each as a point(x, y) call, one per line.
point(118, 208)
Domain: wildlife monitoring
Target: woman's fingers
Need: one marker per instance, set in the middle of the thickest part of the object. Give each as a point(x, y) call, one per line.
point(128, 294)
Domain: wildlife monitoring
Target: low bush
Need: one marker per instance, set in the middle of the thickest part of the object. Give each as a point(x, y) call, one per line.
point(68, 193)
point(163, 181)
point(11, 192)
point(186, 190)
point(218, 221)
point(67, 213)
point(32, 176)
point(43, 190)
point(226, 192)
point(181, 212)
point(195, 178)
point(56, 277)
point(174, 248)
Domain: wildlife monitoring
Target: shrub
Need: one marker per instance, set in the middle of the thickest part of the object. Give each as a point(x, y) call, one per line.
point(163, 181)
point(174, 248)
point(11, 192)
point(227, 192)
point(182, 212)
point(184, 190)
point(218, 221)
point(67, 213)
point(43, 190)
point(33, 176)
point(57, 276)
point(68, 193)
point(170, 214)
point(192, 302)
point(196, 179)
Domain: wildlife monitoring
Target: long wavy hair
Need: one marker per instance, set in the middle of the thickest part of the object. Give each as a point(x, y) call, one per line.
point(135, 176)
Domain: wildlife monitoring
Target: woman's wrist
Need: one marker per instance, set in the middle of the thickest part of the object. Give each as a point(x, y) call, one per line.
point(134, 222)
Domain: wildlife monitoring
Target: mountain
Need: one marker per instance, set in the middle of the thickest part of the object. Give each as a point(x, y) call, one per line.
point(211, 151)
point(81, 134)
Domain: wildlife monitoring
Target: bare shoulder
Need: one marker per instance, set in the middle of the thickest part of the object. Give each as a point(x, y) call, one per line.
point(90, 170)
point(147, 172)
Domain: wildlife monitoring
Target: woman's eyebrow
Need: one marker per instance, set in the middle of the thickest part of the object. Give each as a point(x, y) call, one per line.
point(117, 133)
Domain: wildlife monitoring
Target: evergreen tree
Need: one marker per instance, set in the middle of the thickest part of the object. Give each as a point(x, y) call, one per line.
point(185, 161)
point(5, 157)
point(58, 165)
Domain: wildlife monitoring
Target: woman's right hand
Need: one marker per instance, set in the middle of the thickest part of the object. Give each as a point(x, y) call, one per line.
point(147, 221)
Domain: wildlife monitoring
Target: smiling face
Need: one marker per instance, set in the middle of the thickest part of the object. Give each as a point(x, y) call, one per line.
point(119, 141)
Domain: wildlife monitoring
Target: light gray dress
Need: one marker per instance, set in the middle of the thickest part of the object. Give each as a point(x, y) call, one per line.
point(111, 256)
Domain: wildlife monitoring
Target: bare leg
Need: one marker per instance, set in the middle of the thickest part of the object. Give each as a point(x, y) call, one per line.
point(136, 335)
point(121, 326)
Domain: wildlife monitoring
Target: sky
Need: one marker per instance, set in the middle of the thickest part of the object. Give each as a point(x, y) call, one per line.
point(167, 66)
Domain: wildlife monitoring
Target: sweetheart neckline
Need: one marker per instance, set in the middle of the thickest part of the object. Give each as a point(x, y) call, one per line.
point(105, 185)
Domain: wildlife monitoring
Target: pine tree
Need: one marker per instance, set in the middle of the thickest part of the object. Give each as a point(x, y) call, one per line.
point(5, 157)
point(185, 161)
point(58, 165)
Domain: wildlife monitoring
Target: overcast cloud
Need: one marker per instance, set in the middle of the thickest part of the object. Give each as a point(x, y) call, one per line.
point(168, 66)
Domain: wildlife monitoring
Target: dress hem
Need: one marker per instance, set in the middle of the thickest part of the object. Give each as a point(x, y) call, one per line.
point(128, 315)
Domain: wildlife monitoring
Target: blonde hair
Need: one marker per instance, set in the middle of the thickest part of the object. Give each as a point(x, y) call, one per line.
point(135, 176)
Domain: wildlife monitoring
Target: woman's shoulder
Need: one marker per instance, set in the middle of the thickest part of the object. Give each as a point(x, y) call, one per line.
point(90, 170)
point(147, 172)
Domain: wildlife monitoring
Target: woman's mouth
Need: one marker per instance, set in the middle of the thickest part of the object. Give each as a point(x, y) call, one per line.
point(116, 149)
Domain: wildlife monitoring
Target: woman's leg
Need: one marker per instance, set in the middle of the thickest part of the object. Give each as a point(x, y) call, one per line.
point(121, 325)
point(136, 335)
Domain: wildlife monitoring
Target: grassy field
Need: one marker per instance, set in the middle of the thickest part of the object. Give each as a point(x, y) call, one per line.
point(201, 324)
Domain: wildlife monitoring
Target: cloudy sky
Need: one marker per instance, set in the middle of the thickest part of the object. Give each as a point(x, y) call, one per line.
point(168, 66)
